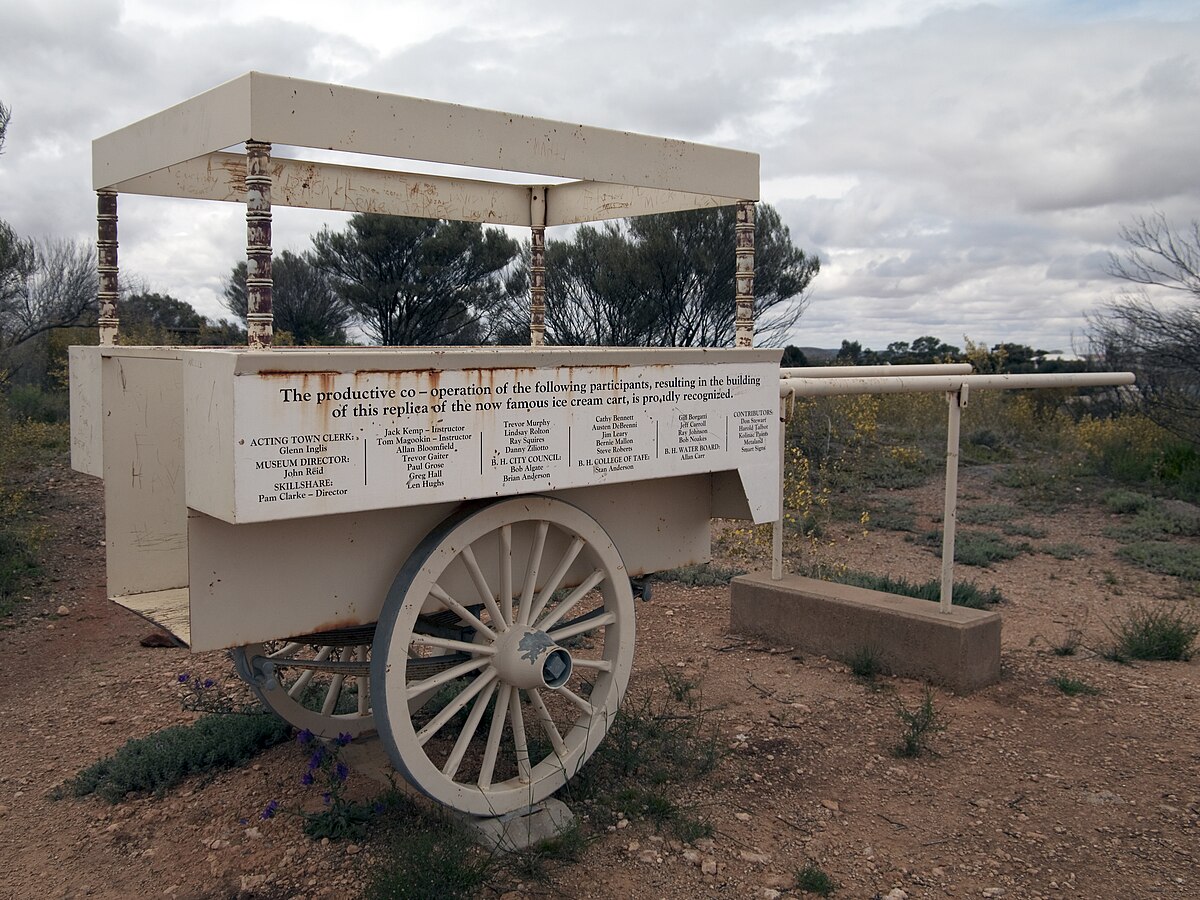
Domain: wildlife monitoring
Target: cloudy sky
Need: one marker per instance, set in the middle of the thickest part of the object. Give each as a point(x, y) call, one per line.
point(960, 168)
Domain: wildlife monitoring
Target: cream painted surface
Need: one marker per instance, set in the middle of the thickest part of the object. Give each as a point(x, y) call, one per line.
point(166, 609)
point(144, 513)
point(303, 113)
point(87, 412)
point(257, 582)
point(328, 441)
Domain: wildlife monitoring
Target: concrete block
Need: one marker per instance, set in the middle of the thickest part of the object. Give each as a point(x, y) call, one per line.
point(913, 638)
point(520, 829)
point(505, 834)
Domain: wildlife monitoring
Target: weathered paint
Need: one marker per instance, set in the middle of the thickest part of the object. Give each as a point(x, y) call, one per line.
point(744, 275)
point(259, 319)
point(106, 265)
point(309, 443)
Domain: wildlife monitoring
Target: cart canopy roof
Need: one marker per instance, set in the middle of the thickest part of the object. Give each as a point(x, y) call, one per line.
point(184, 151)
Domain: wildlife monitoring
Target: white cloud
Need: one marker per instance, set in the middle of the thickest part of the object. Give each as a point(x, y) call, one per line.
point(957, 166)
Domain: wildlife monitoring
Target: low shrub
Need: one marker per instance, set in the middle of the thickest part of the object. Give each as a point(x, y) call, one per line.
point(1164, 558)
point(920, 725)
point(812, 879)
point(1158, 633)
point(160, 761)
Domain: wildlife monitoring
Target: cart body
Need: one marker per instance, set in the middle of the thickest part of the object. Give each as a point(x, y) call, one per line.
point(254, 495)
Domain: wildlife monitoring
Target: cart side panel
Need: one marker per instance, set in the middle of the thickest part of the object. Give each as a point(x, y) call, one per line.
point(87, 415)
point(208, 388)
point(145, 518)
point(350, 432)
point(729, 497)
point(260, 581)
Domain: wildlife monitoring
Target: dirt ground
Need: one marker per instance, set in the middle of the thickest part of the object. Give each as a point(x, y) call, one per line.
point(1028, 793)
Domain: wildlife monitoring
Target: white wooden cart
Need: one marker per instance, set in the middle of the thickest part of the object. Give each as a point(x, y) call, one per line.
point(437, 543)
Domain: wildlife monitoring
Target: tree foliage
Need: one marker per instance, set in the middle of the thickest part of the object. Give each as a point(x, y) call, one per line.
point(666, 281)
point(1159, 342)
point(303, 300)
point(417, 281)
point(53, 286)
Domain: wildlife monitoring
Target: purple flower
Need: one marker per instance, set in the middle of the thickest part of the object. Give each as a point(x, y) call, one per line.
point(343, 739)
point(208, 682)
point(306, 778)
point(243, 821)
point(378, 807)
point(326, 797)
point(269, 810)
point(342, 772)
point(183, 678)
point(305, 737)
point(318, 757)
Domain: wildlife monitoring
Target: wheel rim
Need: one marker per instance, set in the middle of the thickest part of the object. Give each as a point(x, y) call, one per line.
point(527, 687)
point(324, 688)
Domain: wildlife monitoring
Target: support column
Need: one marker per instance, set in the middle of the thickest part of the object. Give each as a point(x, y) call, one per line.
point(537, 268)
point(955, 400)
point(744, 275)
point(106, 266)
point(259, 319)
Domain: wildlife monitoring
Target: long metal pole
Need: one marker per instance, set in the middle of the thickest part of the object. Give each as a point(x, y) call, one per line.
point(955, 401)
point(777, 527)
point(744, 275)
point(816, 387)
point(106, 266)
point(868, 371)
point(259, 318)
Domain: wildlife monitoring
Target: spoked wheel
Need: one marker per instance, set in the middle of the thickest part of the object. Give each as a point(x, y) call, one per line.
point(502, 654)
point(320, 682)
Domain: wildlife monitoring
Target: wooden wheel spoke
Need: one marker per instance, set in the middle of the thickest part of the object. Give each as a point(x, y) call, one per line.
point(582, 662)
point(582, 625)
point(415, 689)
point(578, 701)
point(286, 651)
point(364, 683)
point(333, 695)
point(451, 709)
point(571, 599)
point(556, 577)
point(488, 767)
point(520, 745)
point(506, 573)
point(548, 726)
point(531, 571)
point(462, 612)
point(429, 640)
point(481, 587)
point(298, 689)
point(450, 769)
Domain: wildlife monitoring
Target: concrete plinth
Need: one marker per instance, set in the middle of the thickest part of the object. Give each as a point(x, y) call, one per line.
point(508, 833)
point(912, 637)
point(521, 829)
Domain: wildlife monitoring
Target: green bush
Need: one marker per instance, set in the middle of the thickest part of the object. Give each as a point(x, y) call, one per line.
point(920, 725)
point(162, 760)
point(703, 575)
point(1180, 560)
point(28, 402)
point(426, 855)
point(965, 593)
point(1073, 687)
point(1159, 633)
point(812, 879)
point(978, 548)
point(1123, 501)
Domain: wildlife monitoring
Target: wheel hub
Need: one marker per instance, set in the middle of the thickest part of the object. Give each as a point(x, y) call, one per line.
point(528, 658)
